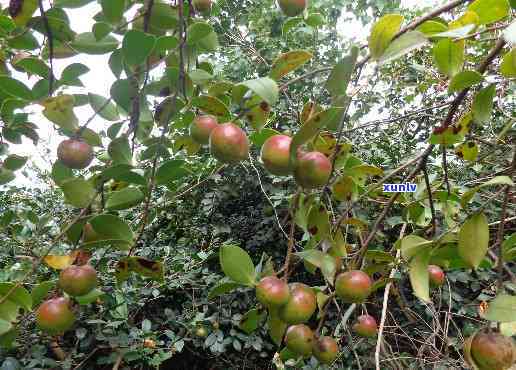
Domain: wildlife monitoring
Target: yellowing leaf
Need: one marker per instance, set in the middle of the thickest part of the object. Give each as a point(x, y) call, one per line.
point(467, 151)
point(61, 262)
point(59, 110)
point(289, 62)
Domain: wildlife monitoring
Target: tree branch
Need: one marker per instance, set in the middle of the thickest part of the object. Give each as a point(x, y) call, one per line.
point(50, 41)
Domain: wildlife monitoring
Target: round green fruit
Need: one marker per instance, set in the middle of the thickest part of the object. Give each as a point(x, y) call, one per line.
point(492, 351)
point(300, 306)
point(300, 339)
point(229, 143)
point(325, 350)
point(54, 316)
point(78, 280)
point(353, 286)
point(292, 8)
point(272, 292)
point(201, 128)
point(75, 154)
point(275, 155)
point(201, 332)
point(436, 275)
point(365, 326)
point(202, 6)
point(312, 170)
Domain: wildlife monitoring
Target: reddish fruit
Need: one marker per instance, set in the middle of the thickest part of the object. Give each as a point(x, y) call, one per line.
point(201, 128)
point(78, 280)
point(202, 6)
point(275, 155)
point(89, 235)
point(272, 291)
point(325, 350)
point(300, 339)
point(353, 286)
point(54, 316)
point(312, 170)
point(492, 351)
point(436, 275)
point(365, 326)
point(229, 143)
point(300, 306)
point(75, 153)
point(292, 8)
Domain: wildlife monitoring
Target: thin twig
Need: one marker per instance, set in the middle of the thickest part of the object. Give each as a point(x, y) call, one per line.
point(430, 198)
point(445, 169)
point(385, 301)
point(291, 241)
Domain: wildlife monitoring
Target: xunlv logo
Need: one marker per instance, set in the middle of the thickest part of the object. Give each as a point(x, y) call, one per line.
point(400, 188)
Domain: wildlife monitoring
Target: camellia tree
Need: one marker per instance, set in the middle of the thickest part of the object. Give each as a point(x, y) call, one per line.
point(359, 206)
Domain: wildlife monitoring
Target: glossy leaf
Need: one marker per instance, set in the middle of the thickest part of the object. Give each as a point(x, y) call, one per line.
point(418, 273)
point(120, 151)
point(124, 199)
point(490, 11)
point(449, 56)
point(137, 46)
point(501, 309)
point(78, 192)
point(382, 33)
point(15, 88)
point(237, 265)
point(113, 10)
point(474, 240)
point(403, 45)
point(463, 80)
point(338, 80)
point(265, 88)
point(251, 320)
point(103, 107)
point(483, 104)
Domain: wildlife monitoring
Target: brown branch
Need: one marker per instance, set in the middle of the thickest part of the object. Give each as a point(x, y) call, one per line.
point(445, 169)
point(430, 197)
point(499, 237)
point(323, 314)
point(50, 41)
point(291, 242)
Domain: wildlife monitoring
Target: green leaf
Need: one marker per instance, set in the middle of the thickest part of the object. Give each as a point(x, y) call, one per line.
point(88, 44)
point(323, 261)
point(101, 30)
point(498, 180)
point(501, 309)
point(509, 248)
point(474, 240)
point(61, 173)
point(71, 3)
point(200, 76)
point(5, 327)
point(20, 297)
point(224, 286)
point(463, 80)
point(457, 32)
point(78, 192)
point(123, 199)
point(418, 273)
point(122, 92)
point(315, 20)
point(170, 171)
point(490, 11)
point(120, 151)
point(71, 73)
point(259, 137)
point(113, 10)
point(137, 46)
point(237, 265)
point(412, 245)
point(103, 107)
point(338, 80)
point(198, 31)
point(251, 320)
point(483, 104)
point(211, 105)
point(15, 88)
point(276, 327)
point(449, 56)
point(508, 65)
point(112, 227)
point(34, 66)
point(431, 28)
point(288, 62)
point(289, 24)
point(382, 33)
point(91, 297)
point(264, 87)
point(6, 176)
point(15, 162)
point(403, 45)
point(40, 291)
